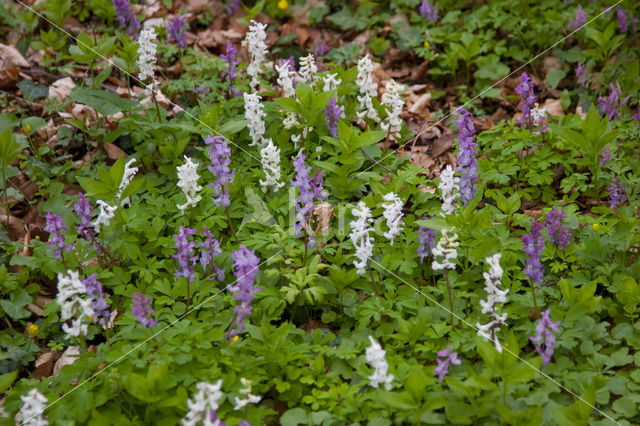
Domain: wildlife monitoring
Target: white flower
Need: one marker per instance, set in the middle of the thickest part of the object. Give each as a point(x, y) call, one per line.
point(73, 306)
point(147, 57)
point(255, 118)
point(255, 42)
point(360, 229)
point(127, 177)
point(290, 120)
point(203, 403)
point(393, 214)
point(495, 295)
point(331, 82)
point(285, 79)
point(271, 166)
point(301, 136)
point(375, 356)
point(33, 405)
point(188, 182)
point(248, 397)
point(537, 114)
point(393, 100)
point(104, 216)
point(446, 248)
point(449, 185)
point(308, 69)
point(368, 89)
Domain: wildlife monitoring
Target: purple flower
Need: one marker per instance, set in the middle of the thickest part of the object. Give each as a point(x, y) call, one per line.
point(580, 19)
point(233, 6)
point(126, 18)
point(527, 98)
point(209, 249)
point(83, 211)
point(101, 312)
point(213, 417)
point(557, 232)
point(544, 339)
point(621, 14)
point(426, 241)
point(467, 164)
point(202, 91)
point(232, 64)
point(319, 49)
point(444, 364)
point(581, 74)
point(605, 155)
point(54, 226)
point(245, 264)
point(244, 423)
point(310, 190)
point(428, 11)
point(636, 116)
point(609, 105)
point(332, 114)
point(176, 31)
point(185, 255)
point(533, 245)
point(617, 194)
point(142, 309)
point(219, 153)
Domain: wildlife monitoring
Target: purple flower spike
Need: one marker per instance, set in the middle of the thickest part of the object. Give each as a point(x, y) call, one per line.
point(233, 6)
point(527, 98)
point(428, 11)
point(101, 312)
point(617, 194)
point(544, 339)
point(581, 75)
point(83, 211)
point(533, 245)
point(320, 49)
point(605, 155)
point(609, 105)
point(126, 18)
point(142, 309)
point(557, 232)
point(54, 226)
point(332, 113)
point(621, 14)
point(176, 31)
point(185, 256)
point(426, 241)
point(579, 20)
point(310, 190)
point(636, 116)
point(245, 264)
point(231, 60)
point(467, 164)
point(213, 417)
point(209, 249)
point(219, 153)
point(448, 358)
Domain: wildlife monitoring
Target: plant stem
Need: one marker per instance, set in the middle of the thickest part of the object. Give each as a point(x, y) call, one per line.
point(535, 302)
point(386, 140)
point(188, 295)
point(155, 101)
point(446, 275)
point(373, 281)
point(306, 239)
point(233, 231)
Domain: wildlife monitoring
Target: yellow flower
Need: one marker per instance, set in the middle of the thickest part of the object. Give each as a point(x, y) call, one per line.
point(90, 318)
point(426, 44)
point(283, 4)
point(235, 339)
point(32, 330)
point(596, 226)
point(27, 128)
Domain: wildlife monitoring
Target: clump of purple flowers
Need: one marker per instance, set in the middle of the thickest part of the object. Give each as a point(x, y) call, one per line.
point(605, 155)
point(621, 14)
point(233, 6)
point(55, 226)
point(617, 194)
point(142, 309)
point(426, 241)
point(332, 114)
point(527, 98)
point(444, 364)
point(310, 189)
point(636, 116)
point(429, 11)
point(219, 156)
point(581, 74)
point(544, 339)
point(533, 245)
point(185, 254)
point(579, 20)
point(319, 49)
point(230, 58)
point(209, 249)
point(245, 264)
point(83, 211)
point(557, 232)
point(176, 30)
point(101, 312)
point(126, 18)
point(609, 105)
point(467, 164)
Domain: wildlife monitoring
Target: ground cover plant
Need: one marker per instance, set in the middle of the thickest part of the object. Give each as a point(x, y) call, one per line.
point(319, 212)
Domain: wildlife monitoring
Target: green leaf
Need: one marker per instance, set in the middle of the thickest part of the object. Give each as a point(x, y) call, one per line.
point(30, 90)
point(9, 148)
point(233, 127)
point(400, 400)
point(106, 103)
point(555, 77)
point(6, 380)
point(14, 306)
point(94, 188)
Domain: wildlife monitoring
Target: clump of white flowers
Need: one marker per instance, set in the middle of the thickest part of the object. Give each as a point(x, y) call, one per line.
point(271, 166)
point(449, 187)
point(392, 99)
point(360, 229)
point(495, 295)
point(147, 58)
point(188, 182)
point(393, 214)
point(127, 177)
point(368, 89)
point(203, 403)
point(248, 397)
point(285, 79)
point(73, 306)
point(255, 43)
point(253, 112)
point(447, 250)
point(105, 215)
point(375, 356)
point(33, 405)
point(331, 82)
point(308, 69)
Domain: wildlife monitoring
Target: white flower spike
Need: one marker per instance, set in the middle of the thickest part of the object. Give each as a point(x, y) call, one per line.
point(253, 112)
point(203, 403)
point(104, 216)
point(360, 238)
point(495, 295)
point(393, 214)
point(446, 249)
point(248, 397)
point(392, 99)
point(188, 182)
point(33, 405)
point(368, 89)
point(271, 166)
point(376, 357)
point(255, 43)
point(449, 187)
point(147, 58)
point(73, 306)
point(127, 177)
point(308, 69)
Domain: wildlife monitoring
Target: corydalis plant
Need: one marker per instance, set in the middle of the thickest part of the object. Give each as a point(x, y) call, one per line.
point(393, 214)
point(101, 314)
point(532, 246)
point(83, 211)
point(309, 190)
point(254, 113)
point(219, 157)
point(230, 58)
point(74, 306)
point(55, 227)
point(126, 18)
point(127, 178)
point(617, 194)
point(467, 164)
point(188, 182)
point(368, 90)
point(105, 214)
point(245, 264)
point(392, 99)
point(360, 238)
point(449, 186)
point(610, 105)
point(544, 339)
point(558, 233)
point(426, 241)
point(308, 70)
point(255, 43)
point(429, 11)
point(447, 250)
point(445, 359)
point(270, 157)
point(248, 397)
point(579, 20)
point(142, 310)
point(527, 98)
point(33, 406)
point(147, 59)
point(204, 404)
point(176, 31)
point(332, 114)
point(494, 296)
point(376, 357)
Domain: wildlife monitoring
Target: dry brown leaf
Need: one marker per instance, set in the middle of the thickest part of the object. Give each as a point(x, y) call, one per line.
point(60, 89)
point(113, 151)
point(68, 357)
point(550, 63)
point(11, 55)
point(441, 145)
point(34, 309)
point(553, 107)
point(420, 106)
point(323, 212)
point(44, 365)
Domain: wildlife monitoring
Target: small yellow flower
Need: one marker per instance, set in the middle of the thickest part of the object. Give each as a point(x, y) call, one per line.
point(283, 4)
point(235, 339)
point(596, 227)
point(90, 318)
point(32, 330)
point(426, 44)
point(27, 128)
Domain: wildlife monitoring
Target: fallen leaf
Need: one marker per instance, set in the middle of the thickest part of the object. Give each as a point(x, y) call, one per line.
point(113, 151)
point(553, 107)
point(420, 106)
point(44, 365)
point(323, 213)
point(11, 55)
point(441, 145)
point(60, 89)
point(550, 63)
point(68, 357)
